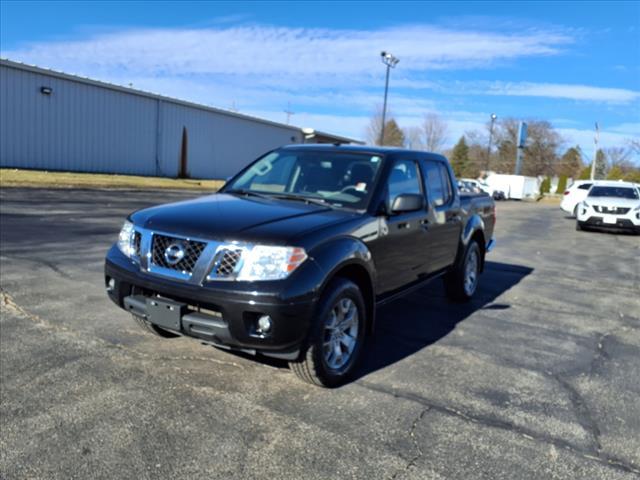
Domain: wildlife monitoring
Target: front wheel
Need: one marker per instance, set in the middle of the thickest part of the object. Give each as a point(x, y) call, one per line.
point(336, 339)
point(461, 282)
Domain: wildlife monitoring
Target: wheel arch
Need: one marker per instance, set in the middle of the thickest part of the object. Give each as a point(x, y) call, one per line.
point(473, 231)
point(358, 274)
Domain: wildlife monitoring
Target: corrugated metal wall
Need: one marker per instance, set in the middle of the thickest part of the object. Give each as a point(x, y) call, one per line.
point(86, 127)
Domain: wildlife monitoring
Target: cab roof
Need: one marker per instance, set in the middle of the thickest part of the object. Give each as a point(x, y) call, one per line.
point(370, 149)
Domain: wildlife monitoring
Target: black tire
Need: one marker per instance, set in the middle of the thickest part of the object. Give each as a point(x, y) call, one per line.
point(454, 281)
point(151, 328)
point(312, 366)
point(579, 226)
point(575, 211)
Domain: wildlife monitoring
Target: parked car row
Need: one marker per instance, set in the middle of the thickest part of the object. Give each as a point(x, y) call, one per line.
point(610, 205)
point(470, 185)
point(502, 186)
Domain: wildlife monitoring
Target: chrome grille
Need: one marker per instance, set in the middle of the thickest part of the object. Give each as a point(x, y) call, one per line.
point(615, 210)
point(226, 261)
point(192, 251)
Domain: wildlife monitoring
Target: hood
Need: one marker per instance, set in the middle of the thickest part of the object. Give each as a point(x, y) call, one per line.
point(613, 202)
point(230, 217)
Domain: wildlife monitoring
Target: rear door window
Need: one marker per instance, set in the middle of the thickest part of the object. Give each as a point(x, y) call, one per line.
point(438, 191)
point(446, 183)
point(585, 186)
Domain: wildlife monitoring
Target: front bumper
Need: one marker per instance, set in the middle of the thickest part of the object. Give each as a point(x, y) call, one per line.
point(224, 313)
point(588, 217)
point(622, 224)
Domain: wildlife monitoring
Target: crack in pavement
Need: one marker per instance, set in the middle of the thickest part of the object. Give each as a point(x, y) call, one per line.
point(493, 422)
point(41, 261)
point(7, 301)
point(582, 412)
point(416, 445)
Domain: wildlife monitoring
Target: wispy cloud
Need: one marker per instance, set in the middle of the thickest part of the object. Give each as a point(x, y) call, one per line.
point(556, 90)
point(292, 51)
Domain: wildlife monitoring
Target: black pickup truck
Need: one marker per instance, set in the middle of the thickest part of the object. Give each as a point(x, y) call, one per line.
point(291, 257)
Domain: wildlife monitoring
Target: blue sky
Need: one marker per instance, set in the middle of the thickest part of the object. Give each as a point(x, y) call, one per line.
point(571, 63)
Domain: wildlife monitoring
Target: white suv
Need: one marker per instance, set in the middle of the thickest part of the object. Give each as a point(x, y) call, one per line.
point(610, 205)
point(575, 194)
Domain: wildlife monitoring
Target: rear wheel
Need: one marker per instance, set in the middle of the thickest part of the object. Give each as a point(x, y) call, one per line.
point(575, 211)
point(151, 328)
point(336, 338)
point(579, 226)
point(460, 284)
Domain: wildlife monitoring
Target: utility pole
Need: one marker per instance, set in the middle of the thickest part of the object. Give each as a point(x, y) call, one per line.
point(595, 153)
point(390, 61)
point(493, 121)
point(289, 112)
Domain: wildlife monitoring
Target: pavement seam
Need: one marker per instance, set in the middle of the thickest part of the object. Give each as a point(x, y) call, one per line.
point(493, 422)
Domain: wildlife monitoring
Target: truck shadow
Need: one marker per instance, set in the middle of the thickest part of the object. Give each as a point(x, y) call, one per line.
point(420, 319)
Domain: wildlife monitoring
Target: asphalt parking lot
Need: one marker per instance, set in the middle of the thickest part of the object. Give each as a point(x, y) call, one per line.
point(539, 377)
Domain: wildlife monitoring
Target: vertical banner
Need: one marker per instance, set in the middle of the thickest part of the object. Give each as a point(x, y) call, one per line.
point(522, 140)
point(522, 134)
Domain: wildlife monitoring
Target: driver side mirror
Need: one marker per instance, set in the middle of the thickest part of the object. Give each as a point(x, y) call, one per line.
point(407, 202)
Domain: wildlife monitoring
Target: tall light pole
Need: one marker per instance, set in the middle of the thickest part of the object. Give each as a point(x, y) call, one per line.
point(390, 61)
point(493, 121)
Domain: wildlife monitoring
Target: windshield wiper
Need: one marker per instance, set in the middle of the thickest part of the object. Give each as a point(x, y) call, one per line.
point(248, 193)
point(303, 198)
point(282, 196)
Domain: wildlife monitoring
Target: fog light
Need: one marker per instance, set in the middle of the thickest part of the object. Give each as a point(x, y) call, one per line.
point(264, 324)
point(111, 284)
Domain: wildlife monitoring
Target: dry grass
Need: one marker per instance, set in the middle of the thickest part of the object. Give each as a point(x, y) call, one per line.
point(10, 177)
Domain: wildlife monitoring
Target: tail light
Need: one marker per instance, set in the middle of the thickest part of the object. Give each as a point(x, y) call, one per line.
point(566, 192)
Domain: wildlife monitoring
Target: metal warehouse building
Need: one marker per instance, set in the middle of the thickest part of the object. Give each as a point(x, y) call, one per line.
point(55, 121)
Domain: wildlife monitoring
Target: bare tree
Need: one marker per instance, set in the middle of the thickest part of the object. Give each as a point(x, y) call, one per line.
point(477, 142)
point(435, 132)
point(393, 135)
point(413, 138)
point(618, 157)
point(540, 154)
point(634, 145)
point(374, 128)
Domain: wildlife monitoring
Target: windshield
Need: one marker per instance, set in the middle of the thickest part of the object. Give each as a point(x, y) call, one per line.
point(339, 179)
point(620, 192)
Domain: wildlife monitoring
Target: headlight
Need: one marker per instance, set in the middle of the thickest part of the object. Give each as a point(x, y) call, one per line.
point(125, 239)
point(637, 208)
point(262, 262)
point(585, 204)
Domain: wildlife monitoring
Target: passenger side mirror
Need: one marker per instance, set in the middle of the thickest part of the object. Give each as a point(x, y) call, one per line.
point(407, 202)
